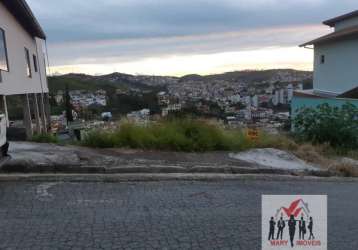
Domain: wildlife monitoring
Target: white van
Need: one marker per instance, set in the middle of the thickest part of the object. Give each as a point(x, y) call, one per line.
point(4, 145)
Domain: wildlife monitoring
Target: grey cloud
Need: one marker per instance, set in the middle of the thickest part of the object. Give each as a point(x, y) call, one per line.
point(70, 20)
point(115, 51)
point(91, 31)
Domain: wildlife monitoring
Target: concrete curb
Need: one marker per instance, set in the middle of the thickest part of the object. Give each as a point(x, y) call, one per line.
point(16, 167)
point(162, 177)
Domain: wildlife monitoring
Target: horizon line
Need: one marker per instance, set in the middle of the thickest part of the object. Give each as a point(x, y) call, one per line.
point(202, 75)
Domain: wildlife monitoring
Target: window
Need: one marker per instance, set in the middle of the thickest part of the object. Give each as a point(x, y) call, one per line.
point(323, 59)
point(4, 65)
point(28, 64)
point(35, 62)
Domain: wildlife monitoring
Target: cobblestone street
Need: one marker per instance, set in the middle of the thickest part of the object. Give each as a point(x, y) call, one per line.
point(158, 215)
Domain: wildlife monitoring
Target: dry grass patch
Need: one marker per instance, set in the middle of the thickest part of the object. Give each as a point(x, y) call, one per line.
point(345, 169)
point(353, 154)
point(312, 154)
point(326, 158)
point(276, 141)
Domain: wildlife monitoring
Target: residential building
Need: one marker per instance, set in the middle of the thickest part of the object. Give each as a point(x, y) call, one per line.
point(83, 98)
point(276, 98)
point(335, 65)
point(282, 99)
point(163, 98)
point(289, 92)
point(171, 108)
point(59, 97)
point(255, 101)
point(139, 117)
point(336, 56)
point(22, 64)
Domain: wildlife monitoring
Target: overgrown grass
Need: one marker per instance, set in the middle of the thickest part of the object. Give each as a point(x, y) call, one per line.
point(200, 136)
point(44, 138)
point(178, 135)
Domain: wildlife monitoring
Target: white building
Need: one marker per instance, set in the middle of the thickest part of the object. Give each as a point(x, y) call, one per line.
point(282, 96)
point(163, 98)
point(289, 92)
point(22, 63)
point(248, 101)
point(59, 97)
point(84, 98)
point(255, 101)
point(171, 108)
point(276, 98)
point(234, 98)
point(139, 117)
point(335, 66)
point(336, 56)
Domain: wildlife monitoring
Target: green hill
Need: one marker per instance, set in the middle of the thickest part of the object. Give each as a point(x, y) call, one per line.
point(107, 82)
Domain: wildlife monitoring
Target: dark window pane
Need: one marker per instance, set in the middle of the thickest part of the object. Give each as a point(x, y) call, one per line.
point(28, 64)
point(35, 63)
point(3, 53)
point(323, 59)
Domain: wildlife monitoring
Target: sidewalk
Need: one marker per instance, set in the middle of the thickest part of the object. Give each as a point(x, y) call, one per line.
point(29, 157)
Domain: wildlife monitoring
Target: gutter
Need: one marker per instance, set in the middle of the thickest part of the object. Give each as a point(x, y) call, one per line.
point(26, 7)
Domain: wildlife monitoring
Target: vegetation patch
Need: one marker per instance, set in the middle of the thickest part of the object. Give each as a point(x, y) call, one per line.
point(326, 124)
point(180, 135)
point(44, 138)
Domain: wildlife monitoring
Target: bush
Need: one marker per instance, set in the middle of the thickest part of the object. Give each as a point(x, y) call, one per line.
point(183, 135)
point(44, 138)
point(175, 135)
point(99, 139)
point(326, 124)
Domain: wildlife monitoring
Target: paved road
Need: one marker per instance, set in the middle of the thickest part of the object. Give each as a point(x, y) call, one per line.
point(157, 215)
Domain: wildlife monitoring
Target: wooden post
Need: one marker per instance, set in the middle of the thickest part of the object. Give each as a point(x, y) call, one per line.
point(27, 116)
point(37, 115)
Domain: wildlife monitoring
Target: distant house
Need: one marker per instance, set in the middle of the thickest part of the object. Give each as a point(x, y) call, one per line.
point(335, 78)
point(22, 64)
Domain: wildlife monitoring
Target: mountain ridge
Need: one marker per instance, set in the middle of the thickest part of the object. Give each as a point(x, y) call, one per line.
point(147, 82)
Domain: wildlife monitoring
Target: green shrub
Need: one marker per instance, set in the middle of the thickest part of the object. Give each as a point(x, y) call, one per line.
point(99, 139)
point(44, 138)
point(326, 124)
point(184, 135)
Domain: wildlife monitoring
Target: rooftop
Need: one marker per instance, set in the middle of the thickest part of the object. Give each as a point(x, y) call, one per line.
point(332, 22)
point(347, 33)
point(23, 14)
point(353, 94)
point(311, 93)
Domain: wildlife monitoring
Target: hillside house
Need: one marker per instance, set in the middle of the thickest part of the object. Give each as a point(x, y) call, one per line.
point(335, 78)
point(23, 64)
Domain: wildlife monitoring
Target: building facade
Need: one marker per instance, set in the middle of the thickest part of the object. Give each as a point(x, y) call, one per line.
point(335, 78)
point(23, 64)
point(336, 56)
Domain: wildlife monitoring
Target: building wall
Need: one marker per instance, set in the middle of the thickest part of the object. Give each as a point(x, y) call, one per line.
point(300, 102)
point(346, 23)
point(339, 73)
point(16, 80)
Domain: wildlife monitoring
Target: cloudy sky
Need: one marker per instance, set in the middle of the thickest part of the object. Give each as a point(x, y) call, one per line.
point(177, 37)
